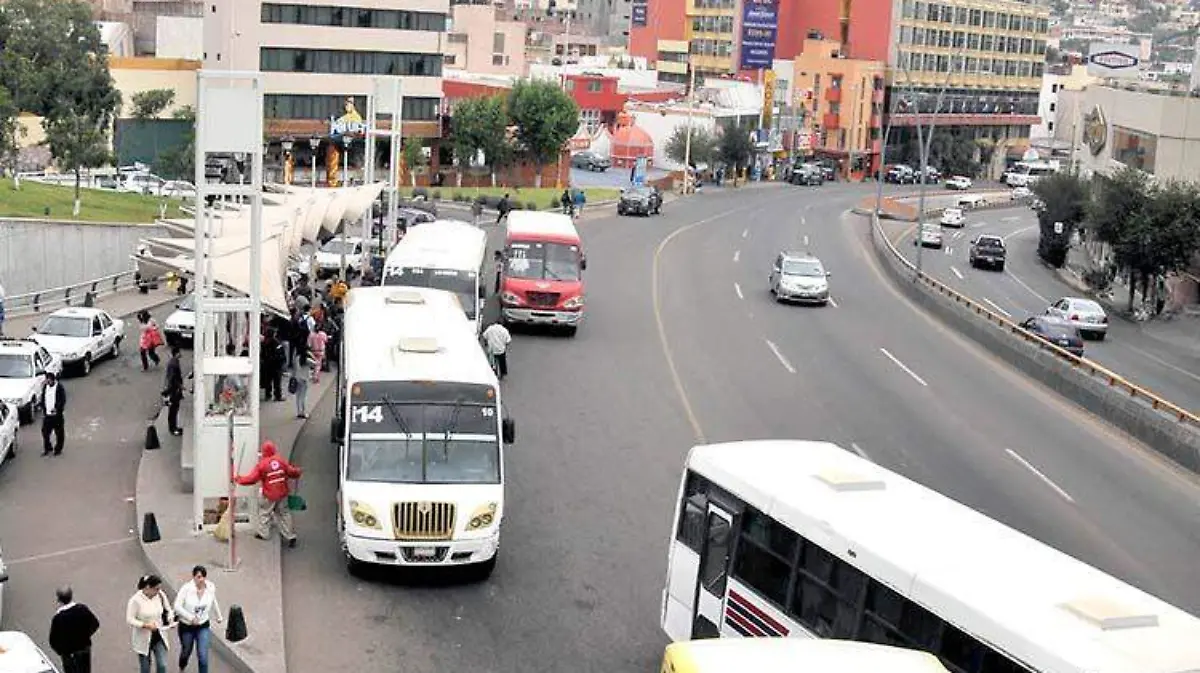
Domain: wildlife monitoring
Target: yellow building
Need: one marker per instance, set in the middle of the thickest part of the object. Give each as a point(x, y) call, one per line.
point(710, 34)
point(842, 100)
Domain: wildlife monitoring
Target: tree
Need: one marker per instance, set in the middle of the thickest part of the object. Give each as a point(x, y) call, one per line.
point(704, 145)
point(77, 142)
point(951, 150)
point(734, 147)
point(1066, 196)
point(545, 118)
point(413, 155)
point(479, 124)
point(147, 105)
point(1160, 238)
point(1120, 199)
point(10, 134)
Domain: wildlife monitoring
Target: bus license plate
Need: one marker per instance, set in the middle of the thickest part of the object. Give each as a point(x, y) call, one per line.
point(424, 552)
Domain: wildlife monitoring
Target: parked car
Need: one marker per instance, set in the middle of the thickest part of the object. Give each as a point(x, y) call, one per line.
point(900, 174)
point(1021, 193)
point(799, 277)
point(180, 327)
point(23, 367)
point(9, 420)
point(953, 217)
point(590, 161)
point(930, 236)
point(1084, 314)
point(932, 175)
point(80, 336)
point(18, 652)
point(972, 201)
point(639, 201)
point(959, 182)
point(179, 189)
point(807, 174)
point(1057, 332)
point(988, 250)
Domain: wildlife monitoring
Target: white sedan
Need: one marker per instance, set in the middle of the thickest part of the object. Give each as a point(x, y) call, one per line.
point(80, 336)
point(959, 182)
point(1084, 315)
point(1021, 193)
point(930, 236)
point(8, 432)
point(953, 217)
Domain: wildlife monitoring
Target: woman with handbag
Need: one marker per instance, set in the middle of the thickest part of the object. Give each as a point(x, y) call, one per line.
point(195, 605)
point(149, 339)
point(149, 615)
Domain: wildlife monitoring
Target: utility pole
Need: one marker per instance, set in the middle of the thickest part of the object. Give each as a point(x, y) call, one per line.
point(687, 145)
point(925, 147)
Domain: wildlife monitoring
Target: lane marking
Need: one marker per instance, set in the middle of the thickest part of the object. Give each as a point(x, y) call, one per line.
point(1018, 231)
point(1010, 218)
point(1049, 482)
point(72, 550)
point(957, 235)
point(979, 225)
point(832, 302)
point(957, 272)
point(806, 240)
point(782, 360)
point(949, 251)
point(737, 254)
point(738, 289)
point(903, 366)
point(803, 220)
point(1160, 361)
point(996, 306)
point(1031, 291)
point(745, 233)
point(861, 454)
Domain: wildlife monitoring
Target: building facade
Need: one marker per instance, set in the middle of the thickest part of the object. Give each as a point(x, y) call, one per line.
point(1055, 107)
point(841, 101)
point(1157, 132)
point(482, 41)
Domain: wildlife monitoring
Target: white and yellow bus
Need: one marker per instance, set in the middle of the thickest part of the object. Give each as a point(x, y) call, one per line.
point(805, 539)
point(793, 655)
point(445, 255)
point(420, 422)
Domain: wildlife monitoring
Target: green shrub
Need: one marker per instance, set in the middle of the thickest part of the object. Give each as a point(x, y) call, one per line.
point(531, 206)
point(437, 195)
point(458, 197)
point(555, 203)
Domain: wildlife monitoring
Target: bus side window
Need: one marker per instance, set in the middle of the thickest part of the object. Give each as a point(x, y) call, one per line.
point(691, 522)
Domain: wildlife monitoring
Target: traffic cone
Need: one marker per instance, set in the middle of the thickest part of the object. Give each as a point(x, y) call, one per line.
point(236, 631)
point(152, 437)
point(150, 528)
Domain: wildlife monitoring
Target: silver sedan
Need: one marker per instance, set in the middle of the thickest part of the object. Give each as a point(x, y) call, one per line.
point(1083, 314)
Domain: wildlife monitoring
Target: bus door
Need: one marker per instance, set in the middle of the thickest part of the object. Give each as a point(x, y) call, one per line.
point(715, 552)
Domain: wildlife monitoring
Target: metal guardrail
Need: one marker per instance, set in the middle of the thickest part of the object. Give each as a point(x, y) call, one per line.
point(80, 294)
point(1112, 379)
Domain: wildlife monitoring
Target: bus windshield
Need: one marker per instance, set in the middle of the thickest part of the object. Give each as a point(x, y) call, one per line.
point(542, 261)
point(461, 283)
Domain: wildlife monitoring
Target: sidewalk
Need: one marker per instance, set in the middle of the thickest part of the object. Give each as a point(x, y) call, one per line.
point(120, 305)
point(256, 583)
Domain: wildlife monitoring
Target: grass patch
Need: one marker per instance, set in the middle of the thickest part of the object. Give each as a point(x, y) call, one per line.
point(546, 198)
point(96, 205)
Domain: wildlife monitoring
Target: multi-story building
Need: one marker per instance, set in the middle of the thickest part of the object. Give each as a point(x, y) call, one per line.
point(606, 19)
point(841, 100)
point(1139, 127)
point(1055, 106)
point(482, 41)
point(316, 56)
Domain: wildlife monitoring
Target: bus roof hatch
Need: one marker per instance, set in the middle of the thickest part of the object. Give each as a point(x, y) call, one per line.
point(844, 480)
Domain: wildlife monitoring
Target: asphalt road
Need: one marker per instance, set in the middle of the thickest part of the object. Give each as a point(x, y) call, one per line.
point(1027, 287)
point(602, 432)
point(71, 520)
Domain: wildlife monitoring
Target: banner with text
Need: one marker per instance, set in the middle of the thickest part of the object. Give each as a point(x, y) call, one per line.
point(760, 25)
point(639, 13)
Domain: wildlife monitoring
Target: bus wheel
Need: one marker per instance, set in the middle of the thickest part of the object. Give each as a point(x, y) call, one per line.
point(484, 570)
point(570, 330)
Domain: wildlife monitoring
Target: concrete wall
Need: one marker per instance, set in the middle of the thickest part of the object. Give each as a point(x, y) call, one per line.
point(1169, 437)
point(39, 255)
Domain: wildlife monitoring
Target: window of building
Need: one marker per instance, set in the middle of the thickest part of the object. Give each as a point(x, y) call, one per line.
point(1026, 45)
point(1002, 21)
point(932, 12)
point(1050, 126)
point(497, 43)
point(725, 24)
point(1039, 47)
point(973, 41)
point(1014, 22)
point(449, 59)
point(1025, 69)
point(985, 43)
point(946, 14)
point(989, 19)
point(976, 17)
point(1039, 68)
point(591, 121)
point(499, 60)
point(919, 10)
point(1027, 24)
point(315, 15)
point(906, 9)
point(960, 39)
point(595, 86)
point(1134, 148)
point(333, 61)
point(1043, 26)
point(315, 106)
point(944, 38)
point(960, 16)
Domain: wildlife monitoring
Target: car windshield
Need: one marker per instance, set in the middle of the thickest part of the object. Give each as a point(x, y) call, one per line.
point(462, 283)
point(991, 242)
point(803, 267)
point(334, 246)
point(931, 229)
point(15, 366)
point(953, 212)
point(640, 192)
point(188, 303)
point(416, 443)
point(1058, 331)
point(542, 261)
point(57, 325)
point(1086, 306)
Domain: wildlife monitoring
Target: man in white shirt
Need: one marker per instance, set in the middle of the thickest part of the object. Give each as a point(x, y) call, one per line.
point(496, 339)
point(54, 402)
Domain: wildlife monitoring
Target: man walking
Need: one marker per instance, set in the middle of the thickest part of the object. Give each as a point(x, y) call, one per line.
point(71, 631)
point(496, 338)
point(502, 209)
point(173, 391)
point(54, 401)
point(273, 472)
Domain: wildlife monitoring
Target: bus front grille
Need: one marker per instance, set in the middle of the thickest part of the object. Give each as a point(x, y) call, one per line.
point(424, 520)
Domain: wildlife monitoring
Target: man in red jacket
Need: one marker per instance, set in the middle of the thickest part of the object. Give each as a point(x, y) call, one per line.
point(273, 472)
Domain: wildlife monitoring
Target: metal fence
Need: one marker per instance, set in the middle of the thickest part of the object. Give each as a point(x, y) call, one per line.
point(80, 294)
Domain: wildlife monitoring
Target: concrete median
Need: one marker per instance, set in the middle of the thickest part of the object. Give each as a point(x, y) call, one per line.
point(1109, 399)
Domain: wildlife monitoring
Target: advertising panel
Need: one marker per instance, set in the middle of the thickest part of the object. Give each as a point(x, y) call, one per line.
point(768, 101)
point(1121, 61)
point(639, 13)
point(760, 25)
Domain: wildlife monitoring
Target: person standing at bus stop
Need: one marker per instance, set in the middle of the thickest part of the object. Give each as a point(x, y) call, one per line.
point(496, 338)
point(273, 472)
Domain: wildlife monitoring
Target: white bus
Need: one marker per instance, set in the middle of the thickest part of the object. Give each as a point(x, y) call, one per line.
point(445, 255)
point(805, 539)
point(795, 655)
point(420, 422)
point(1026, 173)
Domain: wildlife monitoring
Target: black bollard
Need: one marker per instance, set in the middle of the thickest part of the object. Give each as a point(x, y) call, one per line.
point(150, 528)
point(236, 631)
point(152, 442)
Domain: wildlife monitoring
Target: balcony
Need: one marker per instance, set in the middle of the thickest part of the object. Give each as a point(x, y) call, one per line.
point(831, 121)
point(833, 94)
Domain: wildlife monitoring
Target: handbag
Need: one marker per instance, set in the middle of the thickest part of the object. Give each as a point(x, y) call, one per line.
point(166, 614)
point(293, 385)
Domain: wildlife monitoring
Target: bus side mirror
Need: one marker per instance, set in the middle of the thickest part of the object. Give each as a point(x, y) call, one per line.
point(508, 430)
point(482, 292)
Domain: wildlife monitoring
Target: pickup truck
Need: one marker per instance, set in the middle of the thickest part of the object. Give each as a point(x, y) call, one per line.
point(988, 250)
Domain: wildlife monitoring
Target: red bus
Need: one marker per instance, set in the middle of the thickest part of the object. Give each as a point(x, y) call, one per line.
point(541, 277)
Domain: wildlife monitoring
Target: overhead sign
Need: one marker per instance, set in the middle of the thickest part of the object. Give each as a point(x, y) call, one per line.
point(768, 101)
point(760, 25)
point(639, 13)
point(1121, 61)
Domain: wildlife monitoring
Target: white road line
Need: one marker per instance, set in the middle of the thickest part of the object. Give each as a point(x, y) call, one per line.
point(806, 240)
point(737, 254)
point(957, 235)
point(745, 233)
point(957, 273)
point(901, 365)
point(72, 550)
point(1018, 231)
point(832, 302)
point(1010, 218)
point(1057, 489)
point(738, 289)
point(949, 251)
point(782, 360)
point(859, 451)
point(803, 220)
point(1027, 288)
point(979, 225)
point(996, 306)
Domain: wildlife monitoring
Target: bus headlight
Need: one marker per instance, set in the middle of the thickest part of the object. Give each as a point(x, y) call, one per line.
point(573, 303)
point(510, 299)
point(482, 517)
point(364, 515)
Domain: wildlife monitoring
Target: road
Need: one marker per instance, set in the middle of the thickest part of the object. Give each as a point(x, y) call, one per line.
point(1027, 287)
point(70, 519)
point(602, 432)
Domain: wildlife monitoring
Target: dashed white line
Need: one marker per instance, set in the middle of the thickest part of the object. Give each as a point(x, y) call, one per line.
point(806, 240)
point(1018, 231)
point(73, 550)
point(957, 273)
point(996, 306)
point(858, 449)
point(1049, 482)
point(957, 235)
point(1027, 288)
point(738, 289)
point(737, 254)
point(903, 366)
point(1010, 218)
point(803, 220)
point(745, 233)
point(949, 251)
point(782, 360)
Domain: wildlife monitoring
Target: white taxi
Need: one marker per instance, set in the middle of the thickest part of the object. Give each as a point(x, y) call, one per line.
point(180, 326)
point(80, 336)
point(23, 367)
point(953, 217)
point(19, 654)
point(9, 421)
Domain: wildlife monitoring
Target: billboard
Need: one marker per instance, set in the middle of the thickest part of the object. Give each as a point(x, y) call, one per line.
point(1121, 61)
point(768, 102)
point(760, 24)
point(639, 13)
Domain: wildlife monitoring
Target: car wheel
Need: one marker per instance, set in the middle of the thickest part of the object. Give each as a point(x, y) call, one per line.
point(1000, 268)
point(1099, 335)
point(115, 352)
point(85, 367)
point(484, 570)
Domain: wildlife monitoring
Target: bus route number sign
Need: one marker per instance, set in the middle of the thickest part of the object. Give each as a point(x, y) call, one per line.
point(366, 413)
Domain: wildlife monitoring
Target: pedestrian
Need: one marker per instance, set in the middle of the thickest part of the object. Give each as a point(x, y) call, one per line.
point(273, 472)
point(301, 374)
point(298, 335)
point(273, 361)
point(502, 208)
point(2, 299)
point(476, 211)
point(71, 631)
point(568, 203)
point(498, 260)
point(316, 346)
point(195, 606)
point(54, 403)
point(580, 200)
point(149, 615)
point(497, 339)
point(149, 340)
point(173, 391)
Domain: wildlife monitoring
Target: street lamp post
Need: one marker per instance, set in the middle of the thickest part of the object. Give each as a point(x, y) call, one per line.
point(313, 144)
point(925, 147)
point(346, 140)
point(687, 144)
